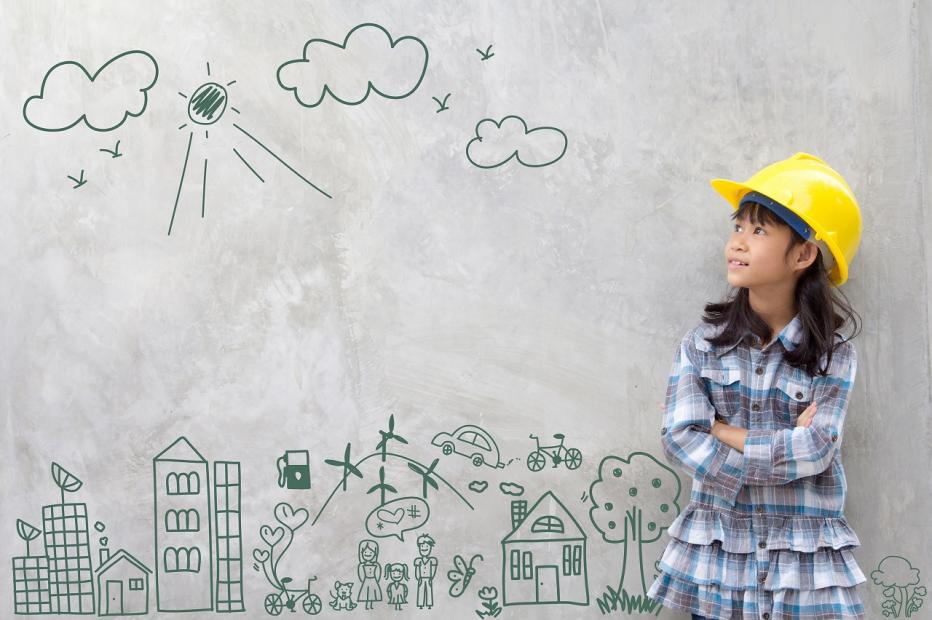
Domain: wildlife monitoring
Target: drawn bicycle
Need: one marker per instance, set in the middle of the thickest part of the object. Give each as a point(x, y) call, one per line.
point(289, 598)
point(536, 460)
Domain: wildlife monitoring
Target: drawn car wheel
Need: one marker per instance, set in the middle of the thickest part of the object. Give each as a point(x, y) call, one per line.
point(447, 448)
point(477, 460)
point(312, 605)
point(273, 604)
point(536, 461)
point(573, 458)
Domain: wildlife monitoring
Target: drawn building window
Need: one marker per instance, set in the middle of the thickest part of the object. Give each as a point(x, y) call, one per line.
point(135, 584)
point(572, 559)
point(548, 524)
point(515, 564)
point(182, 520)
point(183, 483)
point(528, 565)
point(182, 560)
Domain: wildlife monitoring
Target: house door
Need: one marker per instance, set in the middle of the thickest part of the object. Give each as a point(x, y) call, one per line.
point(548, 584)
point(114, 598)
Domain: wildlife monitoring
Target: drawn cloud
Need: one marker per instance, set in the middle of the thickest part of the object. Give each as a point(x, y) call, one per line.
point(497, 142)
point(103, 100)
point(369, 60)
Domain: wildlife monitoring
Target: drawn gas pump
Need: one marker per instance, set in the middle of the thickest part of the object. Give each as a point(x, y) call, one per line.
point(294, 469)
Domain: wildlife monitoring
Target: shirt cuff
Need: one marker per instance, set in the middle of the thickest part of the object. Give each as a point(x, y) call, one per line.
point(758, 454)
point(730, 475)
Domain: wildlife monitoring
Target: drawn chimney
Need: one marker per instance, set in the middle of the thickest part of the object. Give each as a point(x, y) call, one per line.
point(518, 512)
point(104, 555)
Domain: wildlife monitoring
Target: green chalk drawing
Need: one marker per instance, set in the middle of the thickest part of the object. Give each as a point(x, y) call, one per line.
point(425, 569)
point(395, 517)
point(99, 526)
point(129, 78)
point(347, 465)
point(396, 593)
point(478, 486)
point(309, 78)
point(387, 436)
point(544, 555)
point(227, 504)
point(626, 511)
point(382, 487)
point(370, 572)
point(499, 141)
point(461, 574)
point(342, 599)
point(511, 488)
point(902, 594)
point(27, 532)
point(488, 53)
point(294, 469)
point(556, 454)
point(79, 181)
point(277, 542)
point(473, 442)
point(443, 104)
point(426, 476)
point(67, 547)
point(206, 106)
point(114, 152)
point(122, 586)
point(488, 597)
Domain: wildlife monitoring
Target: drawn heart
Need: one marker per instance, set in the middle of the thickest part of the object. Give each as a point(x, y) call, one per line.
point(289, 517)
point(261, 555)
point(391, 516)
point(270, 536)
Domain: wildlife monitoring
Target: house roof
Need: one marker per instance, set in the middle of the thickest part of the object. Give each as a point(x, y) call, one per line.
point(182, 451)
point(552, 508)
point(121, 555)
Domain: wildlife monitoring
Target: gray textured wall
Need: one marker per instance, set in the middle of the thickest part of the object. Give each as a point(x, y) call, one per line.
point(523, 299)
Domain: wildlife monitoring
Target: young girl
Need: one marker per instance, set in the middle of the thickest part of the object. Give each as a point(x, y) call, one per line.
point(755, 408)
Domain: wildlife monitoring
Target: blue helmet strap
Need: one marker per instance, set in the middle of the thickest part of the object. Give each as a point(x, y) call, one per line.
point(794, 221)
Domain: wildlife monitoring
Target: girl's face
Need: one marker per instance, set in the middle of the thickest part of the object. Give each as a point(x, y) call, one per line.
point(755, 254)
point(368, 554)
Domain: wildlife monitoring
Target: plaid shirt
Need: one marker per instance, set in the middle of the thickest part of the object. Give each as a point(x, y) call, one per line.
point(764, 534)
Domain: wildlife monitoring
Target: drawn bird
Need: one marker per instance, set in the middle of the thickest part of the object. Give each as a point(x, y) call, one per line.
point(486, 54)
point(387, 436)
point(382, 487)
point(348, 467)
point(426, 476)
point(443, 104)
point(78, 182)
point(115, 152)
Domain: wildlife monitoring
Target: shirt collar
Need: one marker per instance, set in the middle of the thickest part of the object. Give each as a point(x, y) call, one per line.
point(790, 336)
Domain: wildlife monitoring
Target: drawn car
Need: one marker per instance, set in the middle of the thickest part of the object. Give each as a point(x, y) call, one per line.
point(473, 443)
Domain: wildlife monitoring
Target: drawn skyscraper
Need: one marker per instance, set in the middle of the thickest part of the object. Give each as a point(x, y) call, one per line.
point(183, 538)
point(67, 546)
point(229, 585)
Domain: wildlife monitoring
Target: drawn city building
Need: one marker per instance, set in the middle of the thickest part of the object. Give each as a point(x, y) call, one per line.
point(183, 542)
point(122, 586)
point(229, 542)
point(67, 547)
point(544, 556)
point(31, 585)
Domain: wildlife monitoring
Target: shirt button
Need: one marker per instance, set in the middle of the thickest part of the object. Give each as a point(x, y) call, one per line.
point(799, 395)
point(760, 370)
point(755, 407)
point(834, 436)
point(762, 544)
point(762, 578)
point(760, 509)
point(766, 615)
point(663, 431)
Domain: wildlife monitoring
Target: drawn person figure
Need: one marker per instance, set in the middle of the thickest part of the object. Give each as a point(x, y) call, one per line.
point(397, 592)
point(370, 571)
point(425, 567)
point(756, 403)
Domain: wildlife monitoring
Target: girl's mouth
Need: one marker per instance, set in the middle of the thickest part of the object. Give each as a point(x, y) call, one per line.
point(733, 264)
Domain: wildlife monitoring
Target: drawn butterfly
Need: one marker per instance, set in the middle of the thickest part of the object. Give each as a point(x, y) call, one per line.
point(461, 574)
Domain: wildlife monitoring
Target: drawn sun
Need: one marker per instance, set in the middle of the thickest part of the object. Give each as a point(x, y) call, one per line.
point(206, 106)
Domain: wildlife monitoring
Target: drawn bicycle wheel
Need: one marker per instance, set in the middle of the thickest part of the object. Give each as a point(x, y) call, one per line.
point(273, 604)
point(312, 605)
point(536, 460)
point(573, 458)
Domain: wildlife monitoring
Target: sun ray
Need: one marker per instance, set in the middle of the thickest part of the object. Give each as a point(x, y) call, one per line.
point(282, 161)
point(204, 188)
point(231, 83)
point(208, 69)
point(181, 181)
point(182, 94)
point(248, 166)
point(182, 126)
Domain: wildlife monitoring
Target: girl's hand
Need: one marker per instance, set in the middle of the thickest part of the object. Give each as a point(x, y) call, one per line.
point(805, 418)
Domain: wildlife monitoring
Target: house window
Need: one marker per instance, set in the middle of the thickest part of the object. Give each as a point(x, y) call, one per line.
point(577, 559)
point(182, 560)
point(548, 524)
point(182, 521)
point(515, 564)
point(135, 584)
point(183, 483)
point(527, 565)
point(572, 559)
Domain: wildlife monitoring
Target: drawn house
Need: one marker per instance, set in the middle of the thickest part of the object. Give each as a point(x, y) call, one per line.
point(122, 586)
point(68, 549)
point(544, 556)
point(183, 543)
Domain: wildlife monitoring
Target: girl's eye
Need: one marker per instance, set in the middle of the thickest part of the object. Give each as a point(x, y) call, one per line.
point(737, 226)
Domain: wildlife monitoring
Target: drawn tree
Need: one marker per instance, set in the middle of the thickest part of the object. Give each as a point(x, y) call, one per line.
point(901, 590)
point(27, 532)
point(632, 501)
point(65, 480)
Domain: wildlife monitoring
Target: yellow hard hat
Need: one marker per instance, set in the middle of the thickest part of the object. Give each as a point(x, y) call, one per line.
point(812, 198)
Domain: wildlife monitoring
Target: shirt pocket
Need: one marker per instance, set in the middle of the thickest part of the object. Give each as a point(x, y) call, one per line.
point(795, 392)
point(724, 384)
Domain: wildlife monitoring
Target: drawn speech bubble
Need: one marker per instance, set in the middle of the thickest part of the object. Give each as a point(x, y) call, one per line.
point(397, 516)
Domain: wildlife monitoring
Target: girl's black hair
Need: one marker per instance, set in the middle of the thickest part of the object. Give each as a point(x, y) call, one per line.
point(816, 298)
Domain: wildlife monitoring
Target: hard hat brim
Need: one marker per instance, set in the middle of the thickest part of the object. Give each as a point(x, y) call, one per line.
point(732, 191)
